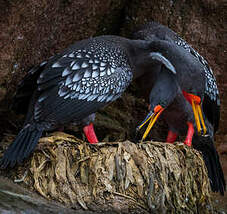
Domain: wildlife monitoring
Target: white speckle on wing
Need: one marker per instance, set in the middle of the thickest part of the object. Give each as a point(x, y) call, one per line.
point(95, 74)
point(109, 98)
point(92, 97)
point(43, 63)
point(84, 65)
point(78, 87)
point(102, 64)
point(68, 81)
point(56, 65)
point(112, 70)
point(95, 90)
point(100, 87)
point(108, 72)
point(82, 96)
point(66, 72)
point(87, 73)
point(68, 95)
point(74, 87)
point(74, 96)
point(94, 67)
point(76, 66)
point(71, 64)
point(102, 73)
point(79, 56)
point(41, 98)
point(61, 92)
point(102, 68)
point(118, 90)
point(100, 98)
point(106, 90)
point(76, 77)
point(87, 90)
point(72, 55)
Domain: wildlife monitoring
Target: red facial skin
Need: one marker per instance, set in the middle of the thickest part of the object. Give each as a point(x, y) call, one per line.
point(189, 97)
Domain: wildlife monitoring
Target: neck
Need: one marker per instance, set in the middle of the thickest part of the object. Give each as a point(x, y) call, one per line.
point(138, 52)
point(143, 59)
point(165, 89)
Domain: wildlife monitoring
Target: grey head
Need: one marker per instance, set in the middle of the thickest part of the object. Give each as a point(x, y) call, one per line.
point(165, 89)
point(154, 31)
point(189, 70)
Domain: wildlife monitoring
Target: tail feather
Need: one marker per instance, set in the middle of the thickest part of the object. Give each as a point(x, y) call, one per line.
point(17, 150)
point(21, 152)
point(34, 138)
point(211, 158)
point(22, 146)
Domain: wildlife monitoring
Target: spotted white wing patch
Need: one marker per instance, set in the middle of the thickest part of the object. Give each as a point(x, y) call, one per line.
point(211, 88)
point(93, 78)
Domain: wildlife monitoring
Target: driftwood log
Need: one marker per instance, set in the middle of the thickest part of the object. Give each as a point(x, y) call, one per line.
point(125, 177)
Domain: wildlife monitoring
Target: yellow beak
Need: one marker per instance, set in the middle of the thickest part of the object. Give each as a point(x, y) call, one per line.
point(152, 116)
point(199, 118)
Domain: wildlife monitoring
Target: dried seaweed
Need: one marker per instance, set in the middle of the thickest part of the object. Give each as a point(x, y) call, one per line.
point(147, 177)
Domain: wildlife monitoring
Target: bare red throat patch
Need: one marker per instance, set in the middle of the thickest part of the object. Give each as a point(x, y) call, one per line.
point(189, 97)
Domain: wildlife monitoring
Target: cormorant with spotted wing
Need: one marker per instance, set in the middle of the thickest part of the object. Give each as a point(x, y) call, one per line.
point(186, 100)
point(71, 86)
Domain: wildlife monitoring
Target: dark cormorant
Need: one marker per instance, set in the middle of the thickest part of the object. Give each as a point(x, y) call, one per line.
point(186, 100)
point(71, 86)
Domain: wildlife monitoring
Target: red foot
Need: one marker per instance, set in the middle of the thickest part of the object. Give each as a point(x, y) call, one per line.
point(90, 134)
point(190, 133)
point(61, 129)
point(171, 138)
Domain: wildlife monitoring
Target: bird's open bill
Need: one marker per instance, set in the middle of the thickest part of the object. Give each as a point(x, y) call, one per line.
point(199, 118)
point(152, 116)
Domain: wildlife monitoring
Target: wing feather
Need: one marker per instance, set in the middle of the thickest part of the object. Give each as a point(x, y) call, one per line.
point(78, 83)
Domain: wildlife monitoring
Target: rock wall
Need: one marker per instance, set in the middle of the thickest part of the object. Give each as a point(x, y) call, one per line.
point(32, 31)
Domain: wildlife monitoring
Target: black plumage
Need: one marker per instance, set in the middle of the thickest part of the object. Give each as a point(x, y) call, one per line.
point(193, 77)
point(73, 85)
point(203, 78)
point(167, 93)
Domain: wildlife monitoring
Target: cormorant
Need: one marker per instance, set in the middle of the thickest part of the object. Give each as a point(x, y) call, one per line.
point(72, 85)
point(186, 100)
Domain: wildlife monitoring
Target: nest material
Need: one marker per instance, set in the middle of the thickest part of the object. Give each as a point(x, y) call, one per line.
point(124, 176)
